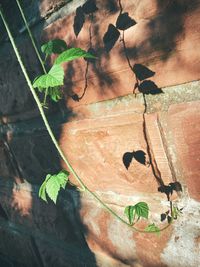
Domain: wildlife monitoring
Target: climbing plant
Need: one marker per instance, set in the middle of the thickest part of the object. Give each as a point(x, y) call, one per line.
point(50, 83)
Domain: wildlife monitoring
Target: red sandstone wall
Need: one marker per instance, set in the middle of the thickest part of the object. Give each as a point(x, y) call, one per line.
point(96, 131)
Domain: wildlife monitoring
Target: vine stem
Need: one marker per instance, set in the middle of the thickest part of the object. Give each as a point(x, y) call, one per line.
point(85, 188)
point(31, 36)
point(45, 96)
point(38, 101)
point(34, 45)
point(122, 220)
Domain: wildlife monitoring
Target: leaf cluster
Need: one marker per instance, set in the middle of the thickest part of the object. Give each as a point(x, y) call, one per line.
point(52, 80)
point(52, 185)
point(139, 210)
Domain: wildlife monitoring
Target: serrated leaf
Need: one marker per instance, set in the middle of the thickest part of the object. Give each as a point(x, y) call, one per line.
point(52, 188)
point(152, 228)
point(62, 176)
point(55, 46)
point(130, 213)
point(52, 184)
point(142, 210)
point(71, 54)
point(42, 190)
point(54, 77)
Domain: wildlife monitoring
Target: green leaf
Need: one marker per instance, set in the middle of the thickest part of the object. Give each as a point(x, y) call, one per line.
point(55, 93)
point(130, 213)
point(54, 77)
point(142, 210)
point(152, 228)
point(55, 46)
point(71, 54)
point(175, 212)
point(52, 184)
point(42, 190)
point(62, 176)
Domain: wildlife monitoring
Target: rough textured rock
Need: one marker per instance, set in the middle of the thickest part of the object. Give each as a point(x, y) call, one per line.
point(124, 146)
point(6, 166)
point(36, 156)
point(184, 124)
point(101, 144)
point(162, 39)
point(17, 246)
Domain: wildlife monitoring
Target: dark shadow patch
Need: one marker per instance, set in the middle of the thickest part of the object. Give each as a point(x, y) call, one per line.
point(69, 73)
point(79, 20)
point(169, 25)
point(3, 213)
point(148, 87)
point(139, 156)
point(36, 156)
point(142, 72)
point(163, 216)
point(164, 29)
point(110, 37)
point(76, 97)
point(170, 188)
point(93, 52)
point(90, 7)
point(111, 6)
point(124, 21)
point(5, 262)
point(127, 159)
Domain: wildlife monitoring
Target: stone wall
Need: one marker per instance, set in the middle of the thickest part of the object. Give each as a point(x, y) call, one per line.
point(103, 116)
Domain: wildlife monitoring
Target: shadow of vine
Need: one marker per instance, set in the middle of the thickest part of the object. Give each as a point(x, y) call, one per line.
point(31, 151)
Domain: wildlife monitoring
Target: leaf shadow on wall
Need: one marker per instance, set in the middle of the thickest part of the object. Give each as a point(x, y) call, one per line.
point(141, 74)
point(84, 14)
point(163, 30)
point(110, 38)
point(86, 10)
point(160, 40)
point(44, 234)
point(139, 156)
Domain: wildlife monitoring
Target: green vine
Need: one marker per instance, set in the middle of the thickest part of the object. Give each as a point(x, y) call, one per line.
point(50, 83)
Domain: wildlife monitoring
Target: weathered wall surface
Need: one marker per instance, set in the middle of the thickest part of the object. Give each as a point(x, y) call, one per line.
point(161, 119)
